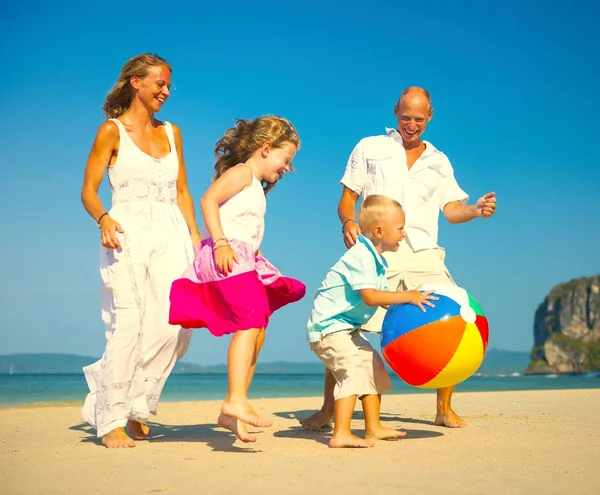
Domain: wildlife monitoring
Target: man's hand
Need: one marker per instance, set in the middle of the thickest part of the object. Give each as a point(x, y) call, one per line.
point(351, 233)
point(486, 205)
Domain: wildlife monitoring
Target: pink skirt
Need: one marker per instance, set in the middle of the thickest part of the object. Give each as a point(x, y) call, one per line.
point(224, 304)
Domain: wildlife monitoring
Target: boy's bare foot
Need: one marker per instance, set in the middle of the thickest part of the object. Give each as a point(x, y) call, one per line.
point(237, 427)
point(139, 431)
point(117, 439)
point(319, 421)
point(244, 412)
point(450, 419)
point(349, 440)
point(382, 433)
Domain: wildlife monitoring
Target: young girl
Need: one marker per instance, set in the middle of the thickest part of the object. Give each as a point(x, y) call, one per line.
point(231, 287)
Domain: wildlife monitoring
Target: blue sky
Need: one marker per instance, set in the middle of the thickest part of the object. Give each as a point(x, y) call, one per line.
point(514, 89)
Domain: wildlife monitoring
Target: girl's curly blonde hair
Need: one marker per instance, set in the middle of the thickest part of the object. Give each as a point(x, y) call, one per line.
point(246, 136)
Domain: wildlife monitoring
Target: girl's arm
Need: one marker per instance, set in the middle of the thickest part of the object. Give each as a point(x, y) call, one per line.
point(105, 146)
point(184, 198)
point(229, 184)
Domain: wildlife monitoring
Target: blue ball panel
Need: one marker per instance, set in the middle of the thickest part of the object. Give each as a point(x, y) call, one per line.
point(402, 318)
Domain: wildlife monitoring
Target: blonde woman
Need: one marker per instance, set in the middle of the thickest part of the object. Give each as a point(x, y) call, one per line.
point(146, 239)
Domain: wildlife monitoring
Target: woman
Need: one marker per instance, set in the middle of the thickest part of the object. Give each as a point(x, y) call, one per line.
point(147, 239)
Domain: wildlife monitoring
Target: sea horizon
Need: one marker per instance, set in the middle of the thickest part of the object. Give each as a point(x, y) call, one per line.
point(43, 388)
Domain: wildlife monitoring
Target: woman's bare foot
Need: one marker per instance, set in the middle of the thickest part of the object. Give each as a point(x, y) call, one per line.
point(319, 421)
point(237, 427)
point(449, 419)
point(349, 440)
point(117, 439)
point(381, 433)
point(244, 412)
point(139, 431)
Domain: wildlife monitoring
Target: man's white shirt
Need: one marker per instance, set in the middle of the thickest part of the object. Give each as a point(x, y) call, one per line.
point(378, 165)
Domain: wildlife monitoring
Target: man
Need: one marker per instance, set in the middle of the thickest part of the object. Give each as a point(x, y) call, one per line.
point(401, 165)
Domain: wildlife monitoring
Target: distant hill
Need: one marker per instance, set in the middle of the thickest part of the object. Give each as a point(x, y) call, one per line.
point(496, 362)
point(72, 363)
point(43, 363)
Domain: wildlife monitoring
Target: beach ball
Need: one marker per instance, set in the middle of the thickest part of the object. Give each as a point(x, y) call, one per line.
point(440, 347)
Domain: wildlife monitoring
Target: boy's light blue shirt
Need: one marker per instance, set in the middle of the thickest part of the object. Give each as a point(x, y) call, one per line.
point(338, 305)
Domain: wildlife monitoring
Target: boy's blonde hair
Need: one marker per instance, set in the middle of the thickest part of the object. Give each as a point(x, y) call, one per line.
point(373, 209)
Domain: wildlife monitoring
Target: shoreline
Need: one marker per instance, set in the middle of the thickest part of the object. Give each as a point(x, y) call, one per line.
point(71, 403)
point(406, 391)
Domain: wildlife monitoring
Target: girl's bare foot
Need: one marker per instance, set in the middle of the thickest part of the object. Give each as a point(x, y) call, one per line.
point(382, 433)
point(244, 412)
point(139, 431)
point(117, 439)
point(319, 421)
point(237, 427)
point(349, 440)
point(450, 419)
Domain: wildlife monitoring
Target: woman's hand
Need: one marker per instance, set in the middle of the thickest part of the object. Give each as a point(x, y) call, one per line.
point(108, 232)
point(196, 240)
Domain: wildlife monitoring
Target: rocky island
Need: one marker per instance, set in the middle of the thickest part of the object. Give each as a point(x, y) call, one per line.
point(566, 329)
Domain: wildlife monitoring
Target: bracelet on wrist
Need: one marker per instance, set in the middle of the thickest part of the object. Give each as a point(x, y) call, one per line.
point(220, 246)
point(344, 224)
point(100, 218)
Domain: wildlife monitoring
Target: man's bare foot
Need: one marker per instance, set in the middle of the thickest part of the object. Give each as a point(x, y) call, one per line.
point(449, 419)
point(382, 433)
point(348, 440)
point(244, 412)
point(117, 439)
point(237, 427)
point(139, 431)
point(319, 421)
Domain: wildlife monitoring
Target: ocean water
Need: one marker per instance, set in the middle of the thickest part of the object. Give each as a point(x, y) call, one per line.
point(42, 388)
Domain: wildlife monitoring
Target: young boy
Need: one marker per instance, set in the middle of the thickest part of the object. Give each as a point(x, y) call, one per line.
point(346, 300)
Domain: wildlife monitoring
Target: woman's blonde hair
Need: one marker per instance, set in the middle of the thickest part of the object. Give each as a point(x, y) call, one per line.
point(118, 100)
point(246, 136)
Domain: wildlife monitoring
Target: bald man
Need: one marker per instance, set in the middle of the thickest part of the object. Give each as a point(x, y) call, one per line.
point(401, 165)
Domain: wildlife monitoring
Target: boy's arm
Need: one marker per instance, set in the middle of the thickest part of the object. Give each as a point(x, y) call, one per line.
point(373, 297)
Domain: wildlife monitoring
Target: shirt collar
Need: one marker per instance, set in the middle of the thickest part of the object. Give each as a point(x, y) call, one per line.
point(393, 133)
point(379, 260)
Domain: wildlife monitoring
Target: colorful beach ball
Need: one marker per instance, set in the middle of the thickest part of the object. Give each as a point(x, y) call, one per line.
point(440, 347)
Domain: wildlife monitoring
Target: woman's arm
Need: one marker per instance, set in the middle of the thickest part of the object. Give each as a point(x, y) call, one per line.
point(184, 198)
point(105, 146)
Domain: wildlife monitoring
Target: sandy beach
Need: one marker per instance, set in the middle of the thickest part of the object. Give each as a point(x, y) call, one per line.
point(517, 442)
